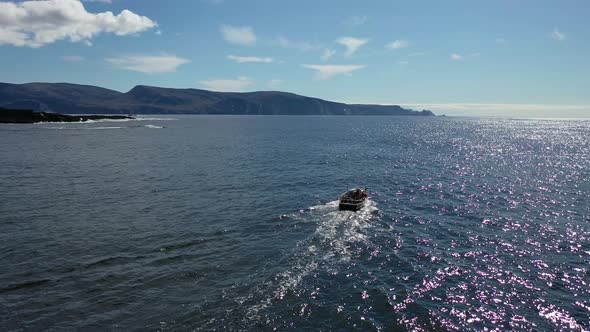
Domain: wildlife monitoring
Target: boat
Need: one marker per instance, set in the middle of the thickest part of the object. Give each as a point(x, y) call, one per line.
point(353, 200)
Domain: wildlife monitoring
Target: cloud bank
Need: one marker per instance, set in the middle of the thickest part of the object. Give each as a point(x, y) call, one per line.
point(38, 23)
point(557, 35)
point(328, 71)
point(459, 57)
point(243, 59)
point(351, 44)
point(238, 35)
point(397, 44)
point(148, 64)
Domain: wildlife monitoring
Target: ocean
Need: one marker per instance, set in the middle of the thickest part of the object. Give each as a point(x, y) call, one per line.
point(230, 223)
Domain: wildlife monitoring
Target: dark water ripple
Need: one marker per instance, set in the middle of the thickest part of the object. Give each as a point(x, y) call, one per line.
point(474, 224)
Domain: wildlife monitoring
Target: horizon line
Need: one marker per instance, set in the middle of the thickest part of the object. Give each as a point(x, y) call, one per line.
point(452, 108)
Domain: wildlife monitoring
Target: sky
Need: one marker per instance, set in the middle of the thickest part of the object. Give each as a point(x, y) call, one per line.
point(479, 58)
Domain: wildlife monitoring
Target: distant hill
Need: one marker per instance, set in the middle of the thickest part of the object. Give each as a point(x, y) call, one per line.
point(85, 99)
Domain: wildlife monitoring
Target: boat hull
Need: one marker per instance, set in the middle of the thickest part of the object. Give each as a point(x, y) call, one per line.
point(351, 206)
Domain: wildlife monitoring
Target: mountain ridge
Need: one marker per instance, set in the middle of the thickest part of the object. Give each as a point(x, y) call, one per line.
point(69, 98)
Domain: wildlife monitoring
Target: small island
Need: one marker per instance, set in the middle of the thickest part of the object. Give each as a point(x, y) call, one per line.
point(28, 116)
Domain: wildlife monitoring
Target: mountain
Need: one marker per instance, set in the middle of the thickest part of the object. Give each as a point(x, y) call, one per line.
point(85, 99)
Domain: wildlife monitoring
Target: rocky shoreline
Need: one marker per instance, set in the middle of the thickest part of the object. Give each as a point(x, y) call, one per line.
point(28, 116)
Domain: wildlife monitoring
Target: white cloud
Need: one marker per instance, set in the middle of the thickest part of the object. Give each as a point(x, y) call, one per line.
point(242, 59)
point(356, 21)
point(238, 35)
point(13, 37)
point(458, 57)
point(72, 58)
point(397, 44)
point(149, 64)
point(302, 46)
point(557, 35)
point(329, 71)
point(228, 85)
point(351, 44)
point(328, 53)
point(103, 1)
point(37, 23)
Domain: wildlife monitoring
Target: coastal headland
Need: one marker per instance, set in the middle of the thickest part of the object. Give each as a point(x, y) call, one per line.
point(28, 116)
point(66, 98)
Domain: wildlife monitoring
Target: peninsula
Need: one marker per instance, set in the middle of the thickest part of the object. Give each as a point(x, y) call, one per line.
point(28, 116)
point(85, 99)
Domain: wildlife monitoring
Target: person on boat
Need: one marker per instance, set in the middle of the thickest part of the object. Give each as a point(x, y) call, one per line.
point(357, 194)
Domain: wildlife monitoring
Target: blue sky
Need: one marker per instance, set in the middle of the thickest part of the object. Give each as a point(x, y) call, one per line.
point(516, 58)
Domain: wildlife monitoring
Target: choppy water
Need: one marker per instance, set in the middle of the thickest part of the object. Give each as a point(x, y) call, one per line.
point(231, 223)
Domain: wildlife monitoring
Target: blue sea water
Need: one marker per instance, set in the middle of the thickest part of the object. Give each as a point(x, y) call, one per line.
point(231, 223)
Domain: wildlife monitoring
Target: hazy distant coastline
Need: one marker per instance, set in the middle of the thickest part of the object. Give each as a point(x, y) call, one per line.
point(85, 99)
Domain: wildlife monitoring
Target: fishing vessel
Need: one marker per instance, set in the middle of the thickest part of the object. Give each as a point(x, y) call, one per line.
point(354, 199)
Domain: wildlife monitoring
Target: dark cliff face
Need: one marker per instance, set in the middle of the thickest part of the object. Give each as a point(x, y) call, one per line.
point(85, 99)
point(60, 97)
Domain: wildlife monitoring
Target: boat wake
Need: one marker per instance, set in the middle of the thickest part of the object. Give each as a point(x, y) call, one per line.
point(149, 126)
point(86, 128)
point(138, 118)
point(327, 250)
